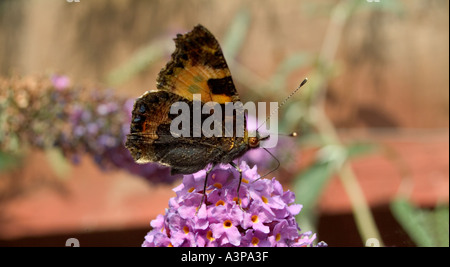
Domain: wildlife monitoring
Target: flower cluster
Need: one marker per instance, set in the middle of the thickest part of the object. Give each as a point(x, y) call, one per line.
point(47, 112)
point(265, 216)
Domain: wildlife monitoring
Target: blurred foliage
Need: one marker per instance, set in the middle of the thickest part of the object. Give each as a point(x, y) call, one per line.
point(58, 162)
point(140, 61)
point(8, 161)
point(427, 228)
point(237, 31)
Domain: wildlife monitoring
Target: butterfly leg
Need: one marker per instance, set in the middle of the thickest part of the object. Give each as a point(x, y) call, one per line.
point(204, 188)
point(239, 185)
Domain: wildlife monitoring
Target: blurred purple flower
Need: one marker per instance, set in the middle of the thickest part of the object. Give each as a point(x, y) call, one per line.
point(98, 124)
point(267, 217)
point(106, 108)
point(49, 113)
point(60, 82)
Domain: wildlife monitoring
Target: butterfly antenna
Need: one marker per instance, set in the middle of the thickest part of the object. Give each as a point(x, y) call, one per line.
point(276, 168)
point(284, 102)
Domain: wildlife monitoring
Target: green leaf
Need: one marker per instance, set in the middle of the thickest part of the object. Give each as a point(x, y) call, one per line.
point(310, 183)
point(441, 219)
point(411, 220)
point(426, 228)
point(308, 187)
point(139, 61)
point(236, 34)
point(8, 161)
point(357, 149)
point(334, 154)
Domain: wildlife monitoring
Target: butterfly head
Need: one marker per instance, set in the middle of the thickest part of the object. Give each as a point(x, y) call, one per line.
point(254, 142)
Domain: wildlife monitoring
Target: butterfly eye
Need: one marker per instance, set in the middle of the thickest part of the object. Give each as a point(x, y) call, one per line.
point(253, 142)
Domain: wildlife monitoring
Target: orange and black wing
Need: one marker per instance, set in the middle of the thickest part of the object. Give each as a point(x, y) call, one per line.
point(150, 138)
point(198, 67)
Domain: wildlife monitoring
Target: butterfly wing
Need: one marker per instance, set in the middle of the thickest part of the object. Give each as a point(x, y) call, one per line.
point(150, 112)
point(198, 67)
point(150, 138)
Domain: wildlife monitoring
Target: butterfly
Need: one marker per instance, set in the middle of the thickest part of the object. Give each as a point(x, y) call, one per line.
point(197, 67)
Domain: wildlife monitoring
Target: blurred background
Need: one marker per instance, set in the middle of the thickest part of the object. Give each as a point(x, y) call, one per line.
point(370, 165)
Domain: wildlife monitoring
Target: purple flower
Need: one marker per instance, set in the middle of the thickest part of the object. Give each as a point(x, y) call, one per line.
point(50, 112)
point(255, 238)
point(265, 216)
point(283, 232)
point(60, 82)
point(258, 218)
point(106, 108)
point(224, 223)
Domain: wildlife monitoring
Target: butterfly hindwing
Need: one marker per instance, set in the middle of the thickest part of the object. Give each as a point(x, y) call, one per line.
point(150, 113)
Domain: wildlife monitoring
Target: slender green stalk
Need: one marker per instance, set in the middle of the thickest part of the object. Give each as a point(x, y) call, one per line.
point(363, 217)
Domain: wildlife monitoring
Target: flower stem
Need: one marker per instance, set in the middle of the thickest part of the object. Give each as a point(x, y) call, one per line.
point(363, 217)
